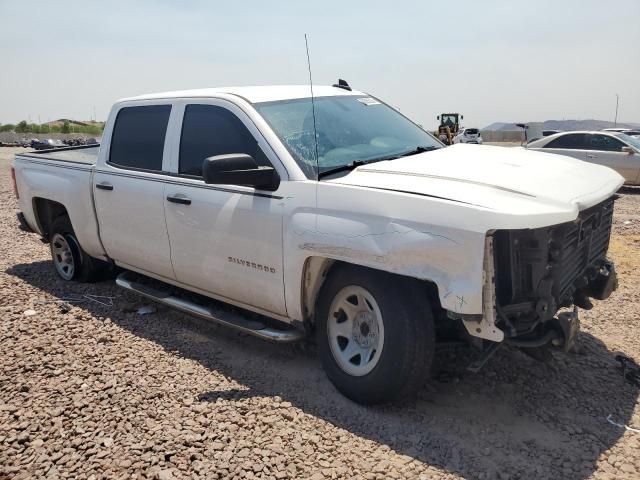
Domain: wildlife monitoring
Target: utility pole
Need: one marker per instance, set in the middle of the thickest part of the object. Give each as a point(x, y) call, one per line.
point(615, 120)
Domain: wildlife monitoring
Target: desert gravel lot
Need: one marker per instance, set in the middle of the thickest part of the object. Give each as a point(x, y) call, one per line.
point(98, 391)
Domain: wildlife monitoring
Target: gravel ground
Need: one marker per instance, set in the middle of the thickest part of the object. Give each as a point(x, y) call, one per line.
point(98, 391)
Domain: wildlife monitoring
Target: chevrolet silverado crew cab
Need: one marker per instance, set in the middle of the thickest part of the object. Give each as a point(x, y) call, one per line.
point(332, 214)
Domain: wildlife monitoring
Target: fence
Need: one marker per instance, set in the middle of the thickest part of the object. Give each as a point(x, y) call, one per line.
point(502, 136)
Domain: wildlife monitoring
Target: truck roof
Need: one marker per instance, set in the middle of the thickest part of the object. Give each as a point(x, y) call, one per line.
point(252, 94)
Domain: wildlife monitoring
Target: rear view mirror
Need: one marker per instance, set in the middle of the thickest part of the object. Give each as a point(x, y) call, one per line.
point(239, 169)
point(628, 150)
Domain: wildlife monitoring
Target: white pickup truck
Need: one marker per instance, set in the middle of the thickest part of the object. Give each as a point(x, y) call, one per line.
point(335, 215)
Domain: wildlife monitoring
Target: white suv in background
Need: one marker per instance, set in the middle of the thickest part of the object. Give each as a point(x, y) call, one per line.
point(468, 135)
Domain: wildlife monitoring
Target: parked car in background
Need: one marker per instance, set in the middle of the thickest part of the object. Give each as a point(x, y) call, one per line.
point(46, 144)
point(468, 135)
point(74, 142)
point(615, 130)
point(38, 144)
point(616, 150)
point(547, 133)
point(627, 131)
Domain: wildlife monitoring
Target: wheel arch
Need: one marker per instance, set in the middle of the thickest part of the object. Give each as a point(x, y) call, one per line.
point(45, 212)
point(317, 269)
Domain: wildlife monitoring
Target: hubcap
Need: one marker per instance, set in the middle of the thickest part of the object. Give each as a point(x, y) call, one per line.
point(355, 330)
point(62, 256)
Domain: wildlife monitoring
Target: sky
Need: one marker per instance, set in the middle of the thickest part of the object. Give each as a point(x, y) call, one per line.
point(512, 61)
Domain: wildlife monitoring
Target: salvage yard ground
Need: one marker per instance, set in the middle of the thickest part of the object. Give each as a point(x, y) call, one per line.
point(98, 391)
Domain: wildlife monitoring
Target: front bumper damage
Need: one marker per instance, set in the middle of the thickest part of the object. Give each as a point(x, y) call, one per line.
point(540, 277)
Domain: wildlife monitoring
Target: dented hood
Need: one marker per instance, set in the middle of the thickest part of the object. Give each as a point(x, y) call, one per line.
point(513, 180)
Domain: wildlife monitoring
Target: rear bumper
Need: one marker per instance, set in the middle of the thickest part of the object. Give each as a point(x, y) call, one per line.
point(24, 226)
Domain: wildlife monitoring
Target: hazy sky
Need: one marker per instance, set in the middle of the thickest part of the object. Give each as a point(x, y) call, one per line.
point(512, 60)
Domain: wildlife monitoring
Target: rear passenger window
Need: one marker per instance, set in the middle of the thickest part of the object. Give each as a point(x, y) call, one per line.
point(605, 143)
point(209, 130)
point(138, 137)
point(572, 141)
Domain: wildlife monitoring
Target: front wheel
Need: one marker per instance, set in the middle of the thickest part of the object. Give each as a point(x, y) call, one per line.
point(375, 337)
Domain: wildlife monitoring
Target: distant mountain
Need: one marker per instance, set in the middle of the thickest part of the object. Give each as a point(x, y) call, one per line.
point(78, 123)
point(565, 125)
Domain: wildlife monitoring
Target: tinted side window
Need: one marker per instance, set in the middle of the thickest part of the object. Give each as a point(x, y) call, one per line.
point(605, 143)
point(209, 130)
point(138, 137)
point(574, 141)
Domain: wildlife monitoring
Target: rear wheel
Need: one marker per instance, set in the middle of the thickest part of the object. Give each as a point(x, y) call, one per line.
point(69, 260)
point(375, 337)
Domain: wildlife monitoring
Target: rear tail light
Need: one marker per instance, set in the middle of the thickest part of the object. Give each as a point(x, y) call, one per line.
point(15, 185)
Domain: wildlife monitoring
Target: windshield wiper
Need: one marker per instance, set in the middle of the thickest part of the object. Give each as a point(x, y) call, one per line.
point(347, 167)
point(415, 151)
point(359, 163)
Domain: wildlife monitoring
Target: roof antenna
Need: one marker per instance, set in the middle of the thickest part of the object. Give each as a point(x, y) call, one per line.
point(342, 84)
point(313, 106)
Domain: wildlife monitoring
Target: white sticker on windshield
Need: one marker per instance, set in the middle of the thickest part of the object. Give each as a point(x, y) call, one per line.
point(368, 101)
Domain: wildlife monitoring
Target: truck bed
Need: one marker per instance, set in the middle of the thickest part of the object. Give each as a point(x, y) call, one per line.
point(64, 177)
point(85, 154)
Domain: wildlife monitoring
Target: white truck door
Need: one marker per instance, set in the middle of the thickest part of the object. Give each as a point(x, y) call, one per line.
point(225, 239)
point(129, 190)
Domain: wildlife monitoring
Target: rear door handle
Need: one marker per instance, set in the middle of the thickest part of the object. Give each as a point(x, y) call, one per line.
point(104, 186)
point(181, 199)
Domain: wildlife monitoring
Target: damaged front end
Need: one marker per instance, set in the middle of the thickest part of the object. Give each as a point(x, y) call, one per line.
point(541, 271)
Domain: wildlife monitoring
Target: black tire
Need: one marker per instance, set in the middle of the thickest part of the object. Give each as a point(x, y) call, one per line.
point(407, 352)
point(86, 268)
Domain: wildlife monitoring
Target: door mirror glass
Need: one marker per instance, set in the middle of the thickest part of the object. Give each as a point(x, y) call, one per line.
point(239, 169)
point(628, 150)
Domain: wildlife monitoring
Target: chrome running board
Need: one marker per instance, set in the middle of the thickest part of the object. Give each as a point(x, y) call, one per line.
point(229, 319)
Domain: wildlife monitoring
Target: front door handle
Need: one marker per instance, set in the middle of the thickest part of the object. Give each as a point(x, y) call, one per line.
point(104, 186)
point(592, 156)
point(181, 199)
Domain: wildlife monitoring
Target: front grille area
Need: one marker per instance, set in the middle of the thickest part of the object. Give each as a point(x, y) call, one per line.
point(541, 270)
point(583, 243)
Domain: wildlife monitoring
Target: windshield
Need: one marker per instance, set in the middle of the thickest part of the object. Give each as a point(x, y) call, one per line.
point(633, 141)
point(349, 129)
point(449, 120)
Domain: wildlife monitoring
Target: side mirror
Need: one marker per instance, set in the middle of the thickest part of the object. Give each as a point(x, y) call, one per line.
point(239, 169)
point(628, 150)
point(438, 117)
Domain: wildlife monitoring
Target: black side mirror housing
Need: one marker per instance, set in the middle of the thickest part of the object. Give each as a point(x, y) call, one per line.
point(239, 169)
